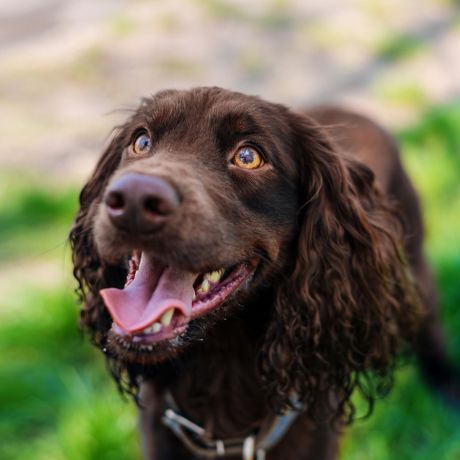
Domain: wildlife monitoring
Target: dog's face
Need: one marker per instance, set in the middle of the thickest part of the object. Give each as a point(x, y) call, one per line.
point(208, 201)
point(197, 213)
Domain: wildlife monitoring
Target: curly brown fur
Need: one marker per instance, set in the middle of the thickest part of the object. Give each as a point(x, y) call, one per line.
point(349, 303)
point(332, 301)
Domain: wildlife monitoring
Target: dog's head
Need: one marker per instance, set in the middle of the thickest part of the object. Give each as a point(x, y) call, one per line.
point(206, 199)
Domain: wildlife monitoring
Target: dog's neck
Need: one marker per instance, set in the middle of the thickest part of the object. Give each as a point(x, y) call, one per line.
point(216, 383)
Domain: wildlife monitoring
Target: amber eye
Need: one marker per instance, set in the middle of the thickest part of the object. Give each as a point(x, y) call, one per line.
point(142, 144)
point(247, 158)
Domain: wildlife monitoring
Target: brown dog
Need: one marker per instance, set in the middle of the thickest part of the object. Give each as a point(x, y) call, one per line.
point(238, 260)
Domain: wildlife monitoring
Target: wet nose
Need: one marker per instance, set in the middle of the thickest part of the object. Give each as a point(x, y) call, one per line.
point(139, 203)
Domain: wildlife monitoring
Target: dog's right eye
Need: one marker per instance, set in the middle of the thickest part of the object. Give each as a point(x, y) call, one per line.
point(142, 144)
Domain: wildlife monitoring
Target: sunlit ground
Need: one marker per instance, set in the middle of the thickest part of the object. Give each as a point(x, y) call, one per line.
point(56, 398)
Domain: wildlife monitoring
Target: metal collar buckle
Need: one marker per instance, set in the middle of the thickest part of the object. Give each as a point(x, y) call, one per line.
point(209, 447)
point(201, 443)
point(249, 450)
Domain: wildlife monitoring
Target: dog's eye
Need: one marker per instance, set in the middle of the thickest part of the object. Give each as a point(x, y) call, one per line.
point(142, 144)
point(247, 158)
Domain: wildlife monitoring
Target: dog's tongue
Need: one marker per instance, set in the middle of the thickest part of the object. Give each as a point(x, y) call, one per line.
point(153, 291)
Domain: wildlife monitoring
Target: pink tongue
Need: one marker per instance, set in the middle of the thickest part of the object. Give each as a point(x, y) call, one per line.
point(153, 291)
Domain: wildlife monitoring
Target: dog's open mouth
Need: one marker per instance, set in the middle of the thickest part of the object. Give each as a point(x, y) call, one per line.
point(158, 302)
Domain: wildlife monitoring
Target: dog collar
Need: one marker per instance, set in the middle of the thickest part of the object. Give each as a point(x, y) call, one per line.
point(201, 443)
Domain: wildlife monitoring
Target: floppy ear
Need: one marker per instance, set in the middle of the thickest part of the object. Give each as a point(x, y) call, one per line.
point(349, 302)
point(91, 274)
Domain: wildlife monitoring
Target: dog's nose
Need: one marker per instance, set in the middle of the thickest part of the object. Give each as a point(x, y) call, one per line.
point(139, 203)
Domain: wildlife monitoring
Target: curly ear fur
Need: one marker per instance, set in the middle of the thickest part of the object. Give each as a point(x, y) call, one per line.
point(350, 303)
point(91, 274)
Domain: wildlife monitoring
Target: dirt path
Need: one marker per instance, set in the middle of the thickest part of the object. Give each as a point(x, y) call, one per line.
point(65, 66)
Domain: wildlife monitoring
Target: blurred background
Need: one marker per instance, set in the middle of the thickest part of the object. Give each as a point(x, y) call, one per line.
point(68, 71)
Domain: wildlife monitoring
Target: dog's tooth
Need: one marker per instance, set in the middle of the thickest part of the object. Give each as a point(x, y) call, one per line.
point(156, 327)
point(204, 287)
point(194, 295)
point(167, 317)
point(214, 276)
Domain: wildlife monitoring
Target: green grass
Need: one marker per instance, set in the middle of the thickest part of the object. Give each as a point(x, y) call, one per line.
point(275, 16)
point(399, 47)
point(54, 391)
point(122, 26)
point(432, 156)
point(57, 401)
point(34, 218)
point(402, 93)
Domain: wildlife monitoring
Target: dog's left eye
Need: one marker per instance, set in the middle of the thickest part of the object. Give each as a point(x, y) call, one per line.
point(142, 144)
point(247, 158)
